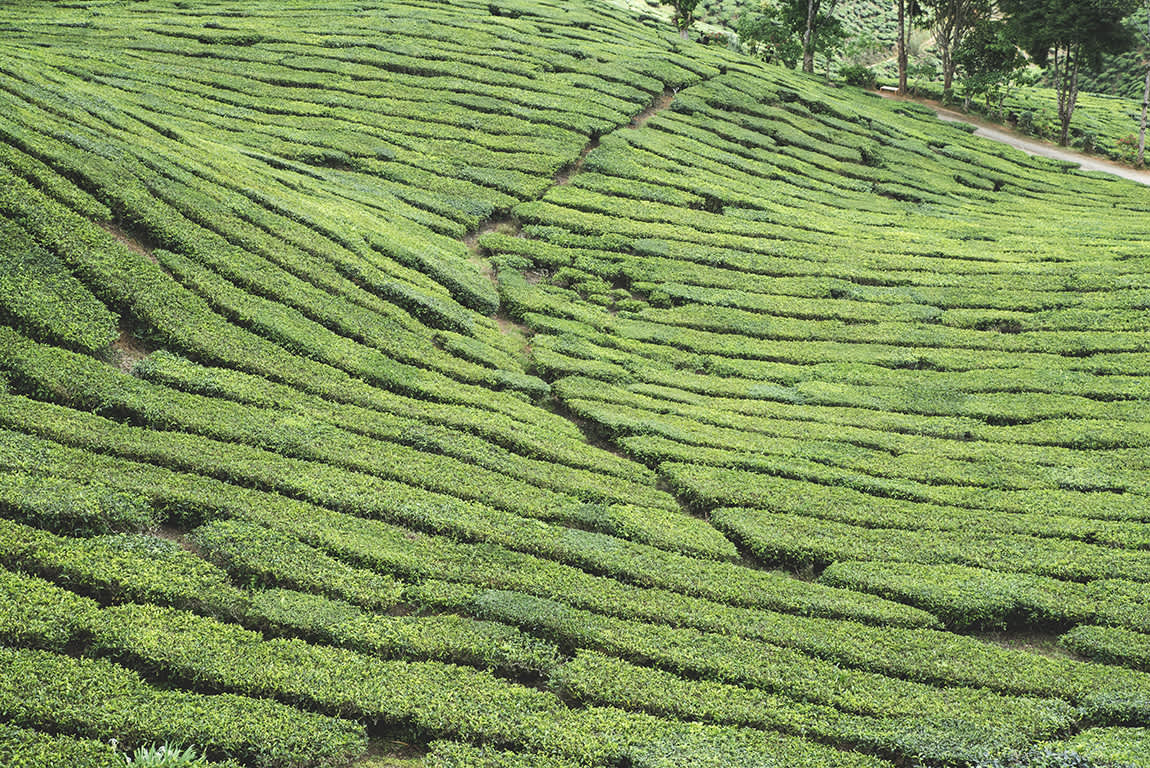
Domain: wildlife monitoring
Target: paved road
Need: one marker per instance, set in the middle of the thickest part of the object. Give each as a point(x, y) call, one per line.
point(1031, 146)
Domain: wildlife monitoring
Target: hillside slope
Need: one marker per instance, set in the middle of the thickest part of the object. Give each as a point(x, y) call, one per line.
point(520, 383)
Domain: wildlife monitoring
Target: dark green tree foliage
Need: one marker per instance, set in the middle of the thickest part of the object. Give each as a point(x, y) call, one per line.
point(908, 12)
point(990, 60)
point(791, 29)
point(768, 32)
point(1122, 74)
point(950, 22)
point(684, 14)
point(1067, 36)
point(1146, 92)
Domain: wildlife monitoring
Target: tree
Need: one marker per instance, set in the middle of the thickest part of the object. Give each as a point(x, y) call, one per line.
point(1066, 35)
point(950, 21)
point(990, 60)
point(908, 11)
point(832, 43)
point(768, 33)
point(805, 26)
point(1145, 93)
point(820, 25)
point(684, 15)
point(863, 48)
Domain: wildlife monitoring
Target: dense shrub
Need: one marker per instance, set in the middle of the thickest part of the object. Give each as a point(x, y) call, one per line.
point(857, 75)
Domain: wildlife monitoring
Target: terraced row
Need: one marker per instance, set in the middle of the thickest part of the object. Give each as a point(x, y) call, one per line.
point(276, 458)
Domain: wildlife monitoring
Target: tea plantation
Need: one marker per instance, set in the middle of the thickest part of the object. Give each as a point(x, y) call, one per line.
point(510, 383)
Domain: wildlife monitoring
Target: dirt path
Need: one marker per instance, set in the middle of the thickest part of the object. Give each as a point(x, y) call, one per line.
point(1028, 144)
point(661, 102)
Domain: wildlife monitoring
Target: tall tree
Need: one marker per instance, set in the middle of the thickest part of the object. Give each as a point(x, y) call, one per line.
point(684, 15)
point(900, 48)
point(1145, 93)
point(950, 22)
point(990, 61)
point(806, 25)
point(1067, 35)
point(819, 20)
point(767, 32)
point(908, 11)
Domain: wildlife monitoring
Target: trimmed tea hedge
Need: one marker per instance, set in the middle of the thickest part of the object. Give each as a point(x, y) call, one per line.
point(461, 336)
point(24, 748)
point(97, 699)
point(977, 597)
point(484, 644)
point(1110, 645)
point(123, 567)
point(1118, 747)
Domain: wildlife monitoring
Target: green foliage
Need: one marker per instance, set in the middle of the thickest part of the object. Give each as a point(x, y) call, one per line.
point(492, 440)
point(1106, 747)
point(123, 567)
point(684, 13)
point(39, 294)
point(453, 754)
point(1110, 645)
point(1087, 29)
point(38, 614)
point(857, 75)
point(90, 697)
point(597, 678)
point(836, 328)
point(1121, 74)
point(450, 638)
point(1071, 35)
point(799, 540)
point(977, 597)
point(164, 756)
point(84, 509)
point(270, 430)
point(1092, 748)
point(990, 60)
point(24, 748)
point(762, 665)
point(260, 557)
point(769, 32)
point(437, 699)
point(645, 566)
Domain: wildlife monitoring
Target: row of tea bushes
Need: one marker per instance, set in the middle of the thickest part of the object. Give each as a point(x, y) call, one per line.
point(964, 596)
point(645, 591)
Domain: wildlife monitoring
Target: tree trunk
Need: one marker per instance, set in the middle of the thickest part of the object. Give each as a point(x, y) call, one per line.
point(1071, 93)
point(945, 44)
point(945, 30)
point(1062, 86)
point(809, 36)
point(1145, 102)
point(902, 56)
point(1142, 122)
point(948, 37)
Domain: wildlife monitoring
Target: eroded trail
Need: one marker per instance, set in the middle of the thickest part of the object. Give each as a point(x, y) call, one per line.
point(505, 222)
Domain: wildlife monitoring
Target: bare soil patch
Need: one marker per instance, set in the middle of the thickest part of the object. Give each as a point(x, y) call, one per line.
point(661, 102)
point(571, 171)
point(128, 349)
point(129, 242)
